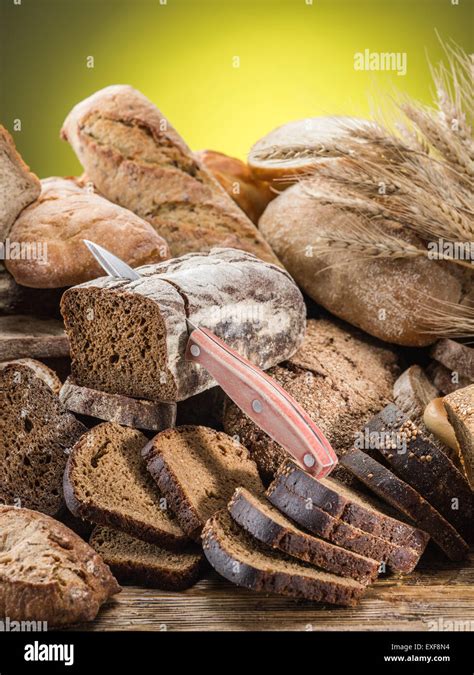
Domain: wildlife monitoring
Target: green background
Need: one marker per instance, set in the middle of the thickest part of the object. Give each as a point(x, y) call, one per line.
point(296, 60)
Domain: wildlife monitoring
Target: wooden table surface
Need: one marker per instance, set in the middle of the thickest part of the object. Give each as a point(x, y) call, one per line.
point(437, 596)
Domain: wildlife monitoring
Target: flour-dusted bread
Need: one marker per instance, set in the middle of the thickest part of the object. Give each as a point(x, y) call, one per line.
point(340, 377)
point(130, 337)
point(197, 469)
point(106, 482)
point(64, 214)
point(296, 148)
point(460, 408)
point(388, 298)
point(244, 561)
point(36, 435)
point(129, 412)
point(251, 194)
point(18, 186)
point(47, 572)
point(136, 158)
point(40, 369)
point(137, 562)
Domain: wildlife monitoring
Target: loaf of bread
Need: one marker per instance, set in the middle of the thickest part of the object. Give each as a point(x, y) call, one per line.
point(129, 337)
point(251, 194)
point(341, 379)
point(136, 159)
point(460, 408)
point(64, 215)
point(18, 186)
point(386, 297)
point(47, 573)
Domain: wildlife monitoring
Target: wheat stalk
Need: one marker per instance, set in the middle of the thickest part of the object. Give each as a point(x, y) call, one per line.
point(447, 319)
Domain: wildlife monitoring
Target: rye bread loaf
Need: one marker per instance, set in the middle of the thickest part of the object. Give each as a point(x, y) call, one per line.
point(64, 215)
point(348, 505)
point(423, 465)
point(130, 337)
point(47, 573)
point(198, 469)
point(136, 562)
point(26, 336)
point(129, 412)
point(244, 561)
point(18, 186)
point(400, 558)
point(399, 494)
point(383, 296)
point(251, 194)
point(455, 356)
point(460, 408)
point(137, 159)
point(106, 482)
point(36, 433)
point(341, 379)
point(264, 522)
point(40, 369)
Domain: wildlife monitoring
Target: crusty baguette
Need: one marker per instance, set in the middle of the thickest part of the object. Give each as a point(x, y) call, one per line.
point(137, 159)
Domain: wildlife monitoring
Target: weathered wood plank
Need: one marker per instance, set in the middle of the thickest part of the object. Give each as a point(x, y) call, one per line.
point(26, 336)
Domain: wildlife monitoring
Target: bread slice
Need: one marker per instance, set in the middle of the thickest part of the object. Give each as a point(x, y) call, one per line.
point(136, 562)
point(47, 573)
point(446, 380)
point(246, 562)
point(36, 433)
point(460, 408)
point(398, 558)
point(403, 497)
point(129, 412)
point(455, 356)
point(40, 369)
point(106, 482)
point(260, 519)
point(346, 504)
point(18, 186)
point(197, 469)
point(423, 465)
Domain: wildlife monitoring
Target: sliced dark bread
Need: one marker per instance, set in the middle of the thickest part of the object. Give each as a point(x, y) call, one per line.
point(243, 560)
point(401, 559)
point(40, 369)
point(460, 409)
point(197, 469)
point(344, 503)
point(264, 522)
point(399, 494)
point(423, 465)
point(130, 412)
point(36, 433)
point(106, 482)
point(136, 562)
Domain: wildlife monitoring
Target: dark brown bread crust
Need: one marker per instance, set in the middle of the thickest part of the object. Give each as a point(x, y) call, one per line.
point(403, 497)
point(218, 539)
point(130, 412)
point(424, 466)
point(47, 573)
point(401, 559)
point(330, 497)
point(455, 356)
point(247, 511)
point(130, 570)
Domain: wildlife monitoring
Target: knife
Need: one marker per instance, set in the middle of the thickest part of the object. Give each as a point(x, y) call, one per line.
point(258, 395)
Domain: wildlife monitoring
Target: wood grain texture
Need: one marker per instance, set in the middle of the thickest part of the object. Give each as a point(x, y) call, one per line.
point(24, 336)
point(441, 593)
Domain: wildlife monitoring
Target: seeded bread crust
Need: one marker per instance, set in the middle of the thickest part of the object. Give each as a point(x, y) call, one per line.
point(223, 464)
point(129, 412)
point(47, 573)
point(242, 560)
point(36, 434)
point(460, 408)
point(136, 562)
point(254, 306)
point(400, 559)
point(137, 159)
point(345, 504)
point(92, 487)
point(424, 466)
point(269, 526)
point(403, 497)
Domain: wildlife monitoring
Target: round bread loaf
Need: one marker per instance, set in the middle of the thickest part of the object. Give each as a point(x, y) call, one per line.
point(387, 297)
